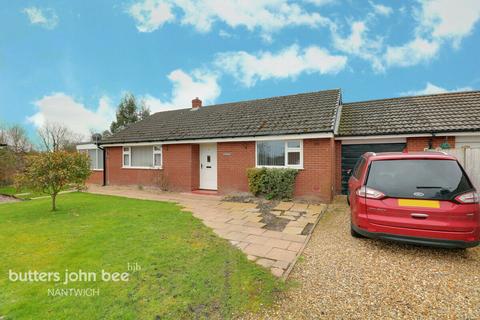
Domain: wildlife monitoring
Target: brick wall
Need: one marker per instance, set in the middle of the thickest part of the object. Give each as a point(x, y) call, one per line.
point(233, 160)
point(316, 179)
point(180, 169)
point(420, 143)
point(116, 175)
point(338, 167)
point(181, 166)
point(96, 177)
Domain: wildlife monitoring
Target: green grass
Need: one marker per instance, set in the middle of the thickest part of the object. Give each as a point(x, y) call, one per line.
point(22, 193)
point(186, 271)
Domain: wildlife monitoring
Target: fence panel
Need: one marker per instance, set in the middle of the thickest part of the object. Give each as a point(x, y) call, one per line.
point(469, 158)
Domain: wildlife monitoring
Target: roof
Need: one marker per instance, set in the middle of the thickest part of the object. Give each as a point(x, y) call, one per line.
point(303, 113)
point(411, 155)
point(447, 112)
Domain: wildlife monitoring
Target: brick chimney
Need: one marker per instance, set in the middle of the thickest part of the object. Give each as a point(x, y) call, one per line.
point(196, 103)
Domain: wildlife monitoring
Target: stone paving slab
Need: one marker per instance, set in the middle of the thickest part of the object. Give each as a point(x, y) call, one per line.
point(239, 223)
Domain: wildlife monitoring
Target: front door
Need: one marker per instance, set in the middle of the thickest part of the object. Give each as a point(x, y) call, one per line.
point(208, 166)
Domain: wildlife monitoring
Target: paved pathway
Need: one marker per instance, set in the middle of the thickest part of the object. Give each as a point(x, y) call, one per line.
point(240, 223)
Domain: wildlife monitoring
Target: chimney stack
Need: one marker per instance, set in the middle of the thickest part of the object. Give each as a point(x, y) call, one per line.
point(196, 103)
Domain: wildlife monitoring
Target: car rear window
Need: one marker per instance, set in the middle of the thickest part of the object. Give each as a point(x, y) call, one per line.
point(435, 179)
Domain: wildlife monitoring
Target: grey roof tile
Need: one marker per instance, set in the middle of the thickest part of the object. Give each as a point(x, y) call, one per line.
point(447, 112)
point(294, 114)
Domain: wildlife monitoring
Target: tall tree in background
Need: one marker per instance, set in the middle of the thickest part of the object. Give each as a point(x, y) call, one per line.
point(57, 137)
point(128, 112)
point(12, 157)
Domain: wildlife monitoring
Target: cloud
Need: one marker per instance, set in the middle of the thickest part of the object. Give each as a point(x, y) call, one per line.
point(433, 89)
point(151, 14)
point(186, 87)
point(447, 19)
point(46, 18)
point(62, 108)
point(288, 63)
point(358, 44)
point(412, 53)
point(266, 15)
point(381, 9)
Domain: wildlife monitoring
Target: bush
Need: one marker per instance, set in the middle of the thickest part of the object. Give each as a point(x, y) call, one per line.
point(255, 180)
point(273, 183)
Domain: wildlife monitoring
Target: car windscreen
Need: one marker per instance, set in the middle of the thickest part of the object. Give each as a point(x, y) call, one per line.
point(428, 179)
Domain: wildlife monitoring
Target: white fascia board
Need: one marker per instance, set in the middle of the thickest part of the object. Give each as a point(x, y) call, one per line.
point(236, 139)
point(414, 135)
point(374, 141)
point(87, 146)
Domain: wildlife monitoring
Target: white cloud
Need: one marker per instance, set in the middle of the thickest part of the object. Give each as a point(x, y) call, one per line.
point(186, 87)
point(447, 19)
point(358, 44)
point(320, 2)
point(414, 52)
point(46, 18)
point(151, 14)
point(266, 15)
point(381, 9)
point(62, 108)
point(433, 89)
point(288, 63)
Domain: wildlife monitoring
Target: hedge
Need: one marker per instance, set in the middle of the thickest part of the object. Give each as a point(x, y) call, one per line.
point(273, 183)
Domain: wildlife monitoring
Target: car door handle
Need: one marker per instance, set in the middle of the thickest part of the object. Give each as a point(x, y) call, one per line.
point(419, 215)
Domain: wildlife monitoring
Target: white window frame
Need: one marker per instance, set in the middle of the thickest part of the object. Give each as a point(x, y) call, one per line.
point(128, 152)
point(287, 150)
point(96, 154)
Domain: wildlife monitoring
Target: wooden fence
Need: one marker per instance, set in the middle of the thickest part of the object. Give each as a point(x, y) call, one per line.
point(470, 161)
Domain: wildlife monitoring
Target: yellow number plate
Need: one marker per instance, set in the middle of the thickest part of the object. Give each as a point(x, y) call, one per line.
point(419, 203)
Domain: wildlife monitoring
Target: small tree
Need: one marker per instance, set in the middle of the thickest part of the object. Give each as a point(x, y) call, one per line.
point(50, 172)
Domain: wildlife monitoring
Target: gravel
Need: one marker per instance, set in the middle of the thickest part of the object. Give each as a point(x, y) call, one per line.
point(343, 277)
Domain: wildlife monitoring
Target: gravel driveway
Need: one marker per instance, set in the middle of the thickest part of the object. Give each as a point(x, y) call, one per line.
point(342, 277)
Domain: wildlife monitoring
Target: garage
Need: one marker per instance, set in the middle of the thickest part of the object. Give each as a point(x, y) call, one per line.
point(351, 153)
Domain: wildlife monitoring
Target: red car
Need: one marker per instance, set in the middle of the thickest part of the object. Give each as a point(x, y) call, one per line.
point(422, 198)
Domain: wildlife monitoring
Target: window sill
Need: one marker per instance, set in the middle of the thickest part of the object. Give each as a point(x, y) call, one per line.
point(280, 167)
point(96, 169)
point(143, 168)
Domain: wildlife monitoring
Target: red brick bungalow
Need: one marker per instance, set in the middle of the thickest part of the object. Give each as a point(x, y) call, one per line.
point(211, 147)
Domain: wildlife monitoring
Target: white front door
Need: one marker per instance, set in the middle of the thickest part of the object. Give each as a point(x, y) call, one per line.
point(208, 166)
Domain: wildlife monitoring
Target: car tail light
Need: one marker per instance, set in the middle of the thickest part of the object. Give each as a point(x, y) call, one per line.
point(469, 197)
point(370, 193)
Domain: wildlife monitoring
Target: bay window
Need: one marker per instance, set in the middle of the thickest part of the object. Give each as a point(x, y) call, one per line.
point(142, 157)
point(280, 153)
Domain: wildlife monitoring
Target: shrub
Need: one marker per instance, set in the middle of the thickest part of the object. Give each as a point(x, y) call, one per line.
point(255, 176)
point(273, 183)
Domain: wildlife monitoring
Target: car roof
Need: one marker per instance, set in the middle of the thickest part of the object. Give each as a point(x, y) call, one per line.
point(436, 155)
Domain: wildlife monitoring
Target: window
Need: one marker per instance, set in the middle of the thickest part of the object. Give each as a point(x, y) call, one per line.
point(280, 153)
point(357, 170)
point(126, 157)
point(436, 179)
point(142, 157)
point(96, 158)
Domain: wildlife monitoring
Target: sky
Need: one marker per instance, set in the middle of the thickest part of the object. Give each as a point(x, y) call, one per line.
point(71, 61)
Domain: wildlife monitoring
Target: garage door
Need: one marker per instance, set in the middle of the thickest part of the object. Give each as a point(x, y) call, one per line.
point(351, 153)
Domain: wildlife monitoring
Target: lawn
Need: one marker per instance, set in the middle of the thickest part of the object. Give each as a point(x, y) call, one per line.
point(21, 194)
point(186, 270)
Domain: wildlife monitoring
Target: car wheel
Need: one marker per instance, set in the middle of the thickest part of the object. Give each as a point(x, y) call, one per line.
point(354, 233)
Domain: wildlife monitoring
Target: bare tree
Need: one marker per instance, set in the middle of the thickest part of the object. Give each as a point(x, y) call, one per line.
point(56, 137)
point(16, 138)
